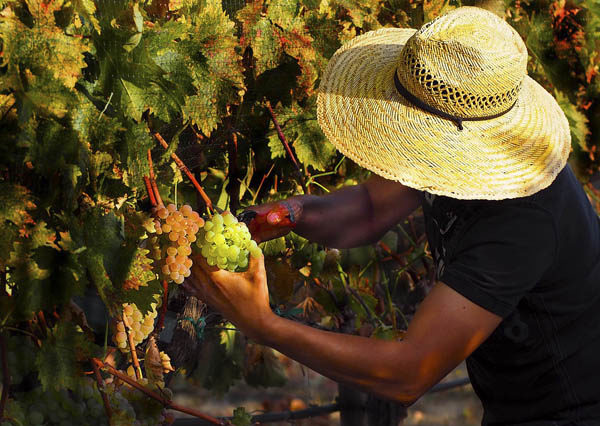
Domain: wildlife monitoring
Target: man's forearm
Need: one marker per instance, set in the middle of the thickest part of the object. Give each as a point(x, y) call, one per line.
point(356, 215)
point(389, 369)
point(340, 219)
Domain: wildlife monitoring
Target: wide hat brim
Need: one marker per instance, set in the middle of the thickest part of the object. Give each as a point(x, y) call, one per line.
point(363, 115)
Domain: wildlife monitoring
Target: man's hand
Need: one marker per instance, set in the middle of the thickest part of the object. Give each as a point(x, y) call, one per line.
point(271, 220)
point(243, 297)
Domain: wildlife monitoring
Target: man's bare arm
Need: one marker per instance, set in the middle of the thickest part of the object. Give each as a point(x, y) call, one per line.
point(445, 330)
point(349, 217)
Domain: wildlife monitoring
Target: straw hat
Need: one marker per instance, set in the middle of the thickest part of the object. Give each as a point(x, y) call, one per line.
point(448, 109)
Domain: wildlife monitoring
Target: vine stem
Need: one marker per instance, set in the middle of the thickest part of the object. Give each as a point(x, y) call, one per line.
point(153, 180)
point(163, 309)
point(150, 191)
point(184, 168)
point(5, 376)
point(265, 176)
point(134, 358)
point(154, 395)
point(389, 251)
point(287, 147)
point(100, 385)
point(233, 188)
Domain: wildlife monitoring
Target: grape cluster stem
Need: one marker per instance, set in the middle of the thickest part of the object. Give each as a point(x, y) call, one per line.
point(134, 358)
point(287, 147)
point(153, 181)
point(100, 385)
point(184, 168)
point(5, 376)
point(150, 191)
point(167, 403)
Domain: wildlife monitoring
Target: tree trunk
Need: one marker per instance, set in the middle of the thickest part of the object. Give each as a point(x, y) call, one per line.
point(362, 409)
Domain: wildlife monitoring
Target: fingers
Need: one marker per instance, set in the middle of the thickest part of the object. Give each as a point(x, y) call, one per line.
point(212, 272)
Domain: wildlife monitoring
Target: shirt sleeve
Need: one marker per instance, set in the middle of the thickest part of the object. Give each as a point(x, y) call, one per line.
point(501, 256)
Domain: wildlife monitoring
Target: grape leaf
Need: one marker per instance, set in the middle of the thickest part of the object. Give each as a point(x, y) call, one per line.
point(311, 146)
point(58, 358)
point(578, 122)
point(275, 146)
point(87, 9)
point(42, 47)
point(241, 417)
point(143, 296)
point(262, 367)
point(257, 33)
point(215, 370)
point(273, 247)
point(15, 201)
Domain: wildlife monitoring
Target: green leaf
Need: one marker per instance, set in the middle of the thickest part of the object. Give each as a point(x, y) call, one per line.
point(578, 122)
point(241, 417)
point(276, 147)
point(41, 47)
point(257, 32)
point(132, 42)
point(273, 247)
point(262, 367)
point(215, 370)
point(144, 296)
point(87, 9)
point(15, 200)
point(311, 146)
point(134, 99)
point(58, 358)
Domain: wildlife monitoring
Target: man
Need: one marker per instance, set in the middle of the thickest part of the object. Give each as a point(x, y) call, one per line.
point(447, 118)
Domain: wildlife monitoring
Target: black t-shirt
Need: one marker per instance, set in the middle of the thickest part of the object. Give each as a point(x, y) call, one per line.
point(534, 261)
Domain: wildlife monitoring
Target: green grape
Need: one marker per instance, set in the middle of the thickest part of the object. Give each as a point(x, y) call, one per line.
point(218, 229)
point(229, 219)
point(222, 250)
point(233, 253)
point(209, 236)
point(219, 240)
point(217, 219)
point(228, 243)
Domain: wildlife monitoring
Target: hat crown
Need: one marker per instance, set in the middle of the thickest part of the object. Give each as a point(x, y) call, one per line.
point(468, 63)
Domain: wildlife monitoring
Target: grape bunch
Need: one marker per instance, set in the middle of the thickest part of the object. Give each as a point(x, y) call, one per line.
point(138, 325)
point(175, 232)
point(226, 243)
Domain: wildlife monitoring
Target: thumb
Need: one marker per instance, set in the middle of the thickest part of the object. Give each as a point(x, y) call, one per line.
point(256, 265)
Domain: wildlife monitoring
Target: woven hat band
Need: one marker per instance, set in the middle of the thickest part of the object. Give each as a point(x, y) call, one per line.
point(433, 110)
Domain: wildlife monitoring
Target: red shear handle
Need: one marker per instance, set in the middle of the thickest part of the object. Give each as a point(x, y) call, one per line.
point(271, 220)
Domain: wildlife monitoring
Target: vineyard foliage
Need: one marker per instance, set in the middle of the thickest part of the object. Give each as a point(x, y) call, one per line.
point(85, 88)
